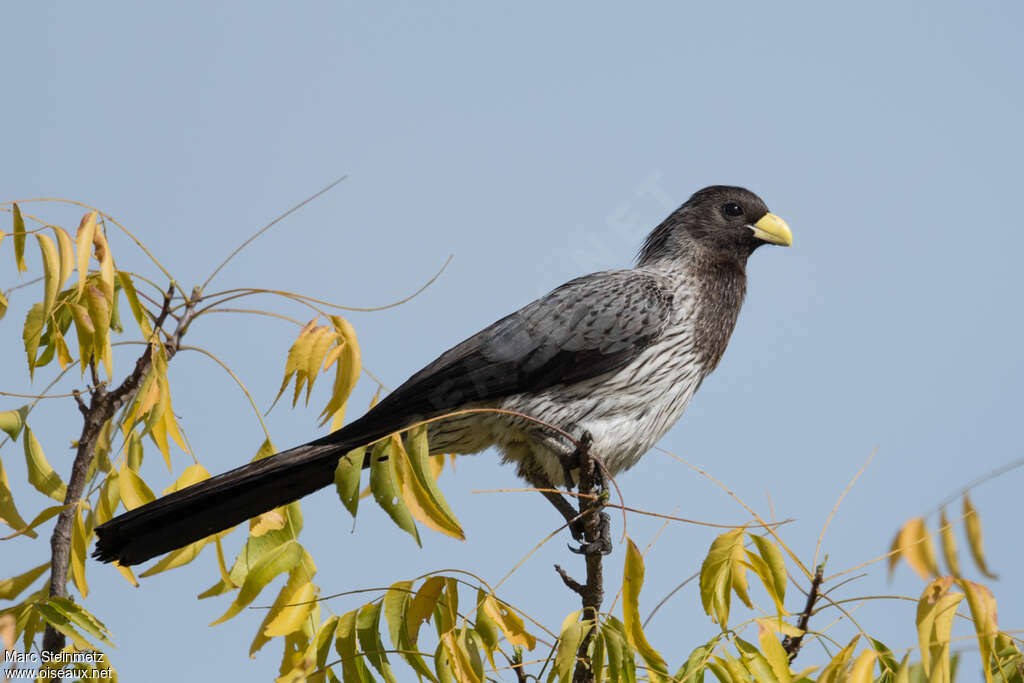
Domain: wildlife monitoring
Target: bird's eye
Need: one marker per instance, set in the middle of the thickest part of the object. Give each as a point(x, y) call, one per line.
point(732, 209)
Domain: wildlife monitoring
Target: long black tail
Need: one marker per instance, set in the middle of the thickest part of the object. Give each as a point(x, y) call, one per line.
point(217, 503)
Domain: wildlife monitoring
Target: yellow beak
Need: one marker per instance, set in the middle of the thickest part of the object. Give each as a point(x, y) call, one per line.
point(773, 230)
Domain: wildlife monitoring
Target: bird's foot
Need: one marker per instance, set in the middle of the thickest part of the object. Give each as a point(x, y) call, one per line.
point(602, 544)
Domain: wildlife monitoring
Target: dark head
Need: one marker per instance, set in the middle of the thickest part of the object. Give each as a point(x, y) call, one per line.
point(720, 221)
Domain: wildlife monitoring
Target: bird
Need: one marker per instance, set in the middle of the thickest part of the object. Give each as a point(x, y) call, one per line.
point(616, 354)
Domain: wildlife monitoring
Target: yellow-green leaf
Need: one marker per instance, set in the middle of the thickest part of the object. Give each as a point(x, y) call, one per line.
point(416, 487)
point(14, 586)
point(177, 558)
point(632, 582)
point(722, 572)
point(353, 668)
point(44, 515)
point(85, 331)
point(51, 272)
point(915, 546)
point(19, 239)
point(458, 659)
point(134, 491)
point(3, 305)
point(397, 602)
point(346, 374)
point(948, 543)
point(774, 653)
point(40, 473)
point(79, 546)
point(11, 421)
point(835, 670)
point(193, 474)
point(755, 662)
point(83, 247)
point(66, 248)
point(99, 312)
point(972, 522)
point(863, 667)
point(138, 312)
point(983, 614)
point(35, 321)
point(510, 623)
point(569, 641)
point(293, 606)
point(109, 498)
point(422, 606)
point(281, 559)
point(61, 347)
point(935, 612)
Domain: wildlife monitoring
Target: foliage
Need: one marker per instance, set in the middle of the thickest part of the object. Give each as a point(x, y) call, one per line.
point(439, 627)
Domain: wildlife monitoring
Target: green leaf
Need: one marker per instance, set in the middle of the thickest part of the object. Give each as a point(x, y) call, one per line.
point(621, 666)
point(368, 632)
point(40, 473)
point(19, 240)
point(692, 671)
point(35, 321)
point(63, 615)
point(346, 478)
point(13, 587)
point(568, 643)
point(397, 602)
point(282, 559)
point(632, 582)
point(353, 668)
point(385, 489)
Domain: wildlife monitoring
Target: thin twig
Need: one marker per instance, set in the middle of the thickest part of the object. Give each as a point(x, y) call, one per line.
point(266, 227)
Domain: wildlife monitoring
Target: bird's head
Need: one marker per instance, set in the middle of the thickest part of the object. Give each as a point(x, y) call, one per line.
point(719, 221)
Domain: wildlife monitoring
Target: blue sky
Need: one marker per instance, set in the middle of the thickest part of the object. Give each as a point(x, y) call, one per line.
point(535, 143)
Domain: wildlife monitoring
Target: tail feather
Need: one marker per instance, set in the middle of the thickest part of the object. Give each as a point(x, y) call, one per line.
point(217, 503)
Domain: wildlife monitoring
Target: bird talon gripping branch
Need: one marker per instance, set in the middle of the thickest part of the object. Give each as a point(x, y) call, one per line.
point(617, 354)
point(602, 544)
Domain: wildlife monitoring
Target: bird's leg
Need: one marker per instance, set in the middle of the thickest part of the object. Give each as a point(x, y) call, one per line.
point(572, 517)
point(596, 523)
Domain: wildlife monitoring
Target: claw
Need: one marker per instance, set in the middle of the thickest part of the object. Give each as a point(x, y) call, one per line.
point(601, 544)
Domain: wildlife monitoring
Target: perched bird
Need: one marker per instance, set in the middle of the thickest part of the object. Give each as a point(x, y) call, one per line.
point(617, 354)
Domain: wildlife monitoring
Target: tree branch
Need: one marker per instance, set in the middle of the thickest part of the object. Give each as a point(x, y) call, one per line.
point(791, 644)
point(596, 544)
point(101, 408)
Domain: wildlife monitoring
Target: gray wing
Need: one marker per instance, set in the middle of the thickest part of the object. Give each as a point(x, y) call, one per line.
point(586, 327)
